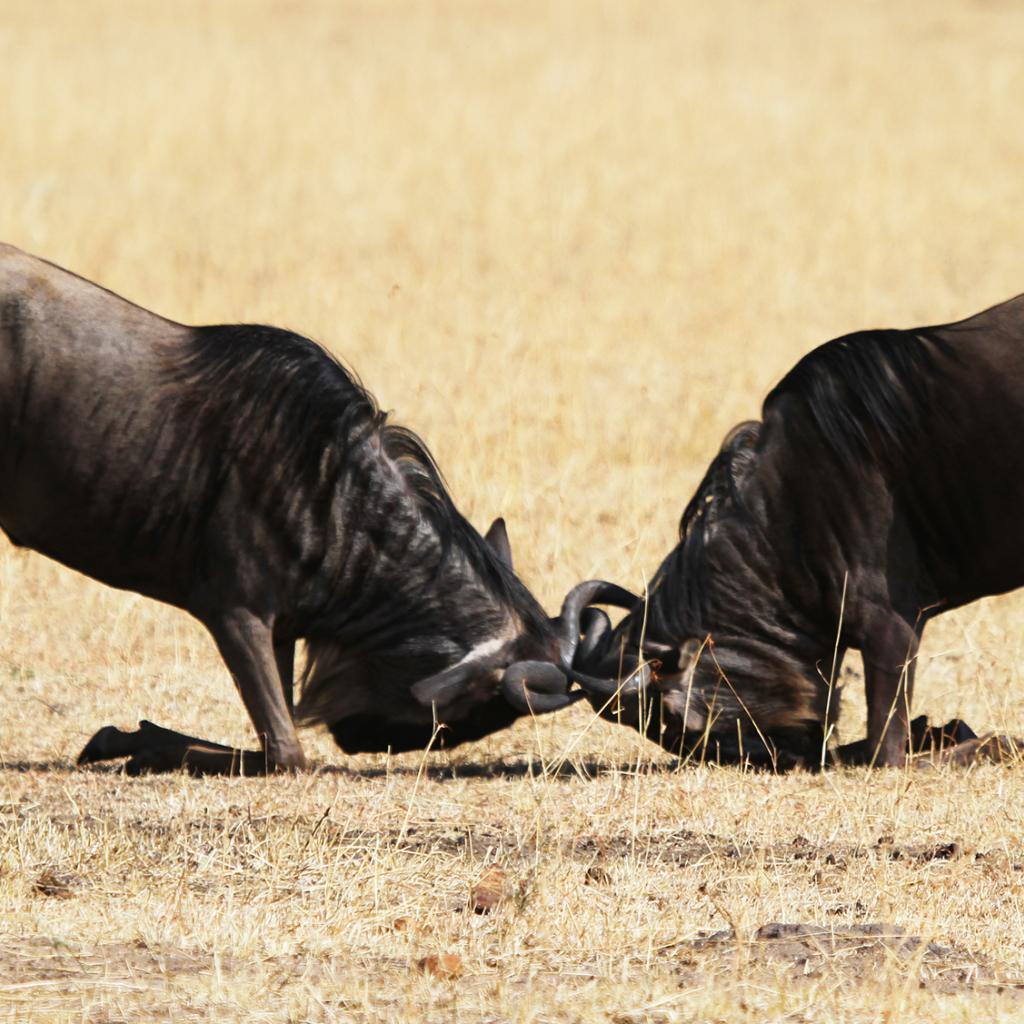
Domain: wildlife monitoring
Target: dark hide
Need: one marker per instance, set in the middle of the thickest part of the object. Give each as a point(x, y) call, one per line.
point(240, 473)
point(883, 486)
point(367, 733)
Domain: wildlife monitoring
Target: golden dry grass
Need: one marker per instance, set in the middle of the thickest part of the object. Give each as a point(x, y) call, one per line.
point(571, 243)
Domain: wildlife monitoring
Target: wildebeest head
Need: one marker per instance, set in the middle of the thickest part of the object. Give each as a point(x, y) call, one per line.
point(701, 664)
point(466, 651)
point(728, 702)
point(532, 668)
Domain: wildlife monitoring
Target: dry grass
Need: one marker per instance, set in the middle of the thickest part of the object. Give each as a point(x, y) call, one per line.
point(571, 243)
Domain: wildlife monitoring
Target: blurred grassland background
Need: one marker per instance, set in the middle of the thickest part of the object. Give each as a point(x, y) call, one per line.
point(571, 244)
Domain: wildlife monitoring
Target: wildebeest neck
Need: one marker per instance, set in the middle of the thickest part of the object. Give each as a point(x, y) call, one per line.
point(725, 578)
point(775, 530)
point(326, 453)
point(417, 583)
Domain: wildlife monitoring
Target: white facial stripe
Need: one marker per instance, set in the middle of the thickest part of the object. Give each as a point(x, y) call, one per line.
point(484, 650)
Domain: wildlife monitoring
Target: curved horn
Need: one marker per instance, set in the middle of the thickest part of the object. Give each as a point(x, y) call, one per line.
point(537, 687)
point(582, 595)
point(576, 602)
point(450, 684)
point(596, 627)
point(636, 682)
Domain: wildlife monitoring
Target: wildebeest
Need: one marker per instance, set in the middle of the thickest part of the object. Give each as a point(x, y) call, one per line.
point(883, 485)
point(240, 473)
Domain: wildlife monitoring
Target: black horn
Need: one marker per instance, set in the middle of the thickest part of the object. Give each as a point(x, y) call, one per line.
point(582, 595)
point(597, 630)
point(607, 687)
point(536, 687)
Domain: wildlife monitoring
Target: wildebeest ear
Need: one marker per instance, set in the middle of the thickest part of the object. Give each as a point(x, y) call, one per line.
point(740, 445)
point(497, 537)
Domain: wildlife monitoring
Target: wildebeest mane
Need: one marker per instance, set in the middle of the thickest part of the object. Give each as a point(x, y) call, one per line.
point(425, 480)
point(867, 393)
point(720, 487)
point(863, 396)
point(680, 590)
point(288, 406)
point(293, 415)
point(273, 398)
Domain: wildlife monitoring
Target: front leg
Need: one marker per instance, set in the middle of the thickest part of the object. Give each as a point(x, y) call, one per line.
point(284, 659)
point(889, 662)
point(151, 748)
point(245, 642)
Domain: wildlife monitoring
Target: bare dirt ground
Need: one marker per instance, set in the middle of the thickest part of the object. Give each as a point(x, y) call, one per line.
point(571, 244)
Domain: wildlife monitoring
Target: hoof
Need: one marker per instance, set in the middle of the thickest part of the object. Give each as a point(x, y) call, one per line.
point(106, 744)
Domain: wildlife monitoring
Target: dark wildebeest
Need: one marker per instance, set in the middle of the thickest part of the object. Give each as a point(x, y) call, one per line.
point(239, 473)
point(883, 486)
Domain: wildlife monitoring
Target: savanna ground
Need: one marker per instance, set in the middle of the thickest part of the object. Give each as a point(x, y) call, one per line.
point(571, 244)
